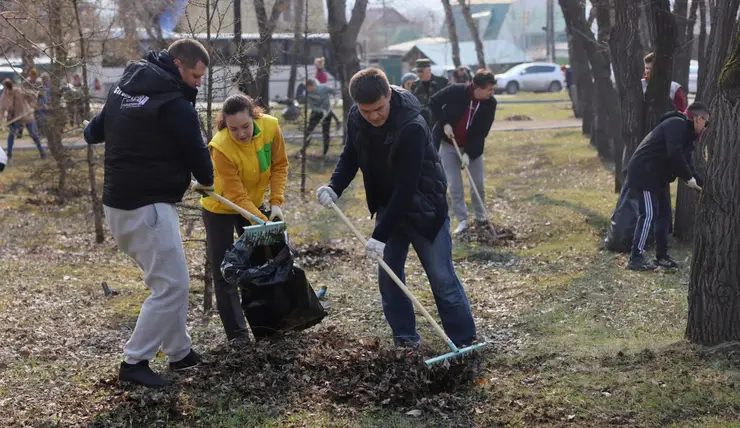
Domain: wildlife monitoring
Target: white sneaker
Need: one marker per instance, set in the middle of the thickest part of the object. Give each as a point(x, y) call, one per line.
point(462, 227)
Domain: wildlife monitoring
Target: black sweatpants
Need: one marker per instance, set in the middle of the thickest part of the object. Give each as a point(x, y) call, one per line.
point(220, 229)
point(655, 213)
point(314, 119)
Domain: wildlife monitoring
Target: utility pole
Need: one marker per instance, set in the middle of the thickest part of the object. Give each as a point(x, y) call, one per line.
point(551, 30)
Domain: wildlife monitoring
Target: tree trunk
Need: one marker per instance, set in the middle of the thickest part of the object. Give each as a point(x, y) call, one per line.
point(473, 27)
point(582, 75)
point(452, 32)
point(245, 80)
point(658, 88)
point(686, 199)
point(720, 39)
point(626, 49)
point(295, 49)
point(646, 27)
point(576, 21)
point(573, 90)
point(702, 49)
point(714, 288)
point(685, 22)
point(207, 268)
point(58, 116)
point(266, 25)
point(343, 37)
point(601, 136)
point(97, 205)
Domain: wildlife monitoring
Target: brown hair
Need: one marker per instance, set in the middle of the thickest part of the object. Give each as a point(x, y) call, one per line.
point(189, 52)
point(483, 78)
point(368, 86)
point(649, 58)
point(8, 83)
point(237, 104)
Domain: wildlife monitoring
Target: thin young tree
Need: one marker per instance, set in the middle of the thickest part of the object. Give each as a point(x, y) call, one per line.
point(714, 288)
point(97, 205)
point(343, 34)
point(452, 32)
point(474, 33)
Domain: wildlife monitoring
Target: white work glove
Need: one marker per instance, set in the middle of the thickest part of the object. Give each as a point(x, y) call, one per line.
point(326, 196)
point(449, 132)
point(197, 187)
point(465, 161)
point(276, 212)
point(374, 249)
point(692, 183)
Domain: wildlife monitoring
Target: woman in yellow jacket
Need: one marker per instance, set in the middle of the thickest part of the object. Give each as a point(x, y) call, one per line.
point(248, 154)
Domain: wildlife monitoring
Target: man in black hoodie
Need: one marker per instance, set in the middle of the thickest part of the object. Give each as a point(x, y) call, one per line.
point(389, 141)
point(661, 157)
point(464, 112)
point(153, 145)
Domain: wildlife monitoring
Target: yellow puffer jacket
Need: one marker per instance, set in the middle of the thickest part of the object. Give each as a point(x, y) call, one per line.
point(244, 171)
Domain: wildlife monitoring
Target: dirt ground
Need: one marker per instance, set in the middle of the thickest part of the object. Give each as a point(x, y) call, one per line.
point(574, 338)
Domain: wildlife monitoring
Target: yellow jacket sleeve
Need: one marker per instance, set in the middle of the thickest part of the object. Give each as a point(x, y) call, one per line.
point(232, 185)
point(278, 169)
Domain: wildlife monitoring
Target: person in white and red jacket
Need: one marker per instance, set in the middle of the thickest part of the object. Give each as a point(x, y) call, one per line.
point(677, 93)
point(465, 112)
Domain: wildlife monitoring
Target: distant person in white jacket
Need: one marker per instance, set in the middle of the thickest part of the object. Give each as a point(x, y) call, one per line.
point(3, 160)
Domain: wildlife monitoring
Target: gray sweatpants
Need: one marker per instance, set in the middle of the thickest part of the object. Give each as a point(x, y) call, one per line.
point(151, 236)
point(453, 170)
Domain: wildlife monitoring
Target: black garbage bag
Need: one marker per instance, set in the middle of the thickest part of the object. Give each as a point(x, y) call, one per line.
point(621, 230)
point(276, 295)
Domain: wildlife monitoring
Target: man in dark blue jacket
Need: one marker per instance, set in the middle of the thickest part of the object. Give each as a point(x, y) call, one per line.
point(464, 112)
point(153, 145)
point(389, 141)
point(661, 157)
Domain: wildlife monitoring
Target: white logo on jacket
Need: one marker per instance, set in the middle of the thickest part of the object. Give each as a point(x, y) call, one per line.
point(130, 101)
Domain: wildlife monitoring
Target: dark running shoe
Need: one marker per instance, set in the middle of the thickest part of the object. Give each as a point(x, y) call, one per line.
point(639, 264)
point(140, 374)
point(191, 360)
point(666, 262)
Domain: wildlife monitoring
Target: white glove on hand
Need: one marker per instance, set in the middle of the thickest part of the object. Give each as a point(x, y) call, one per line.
point(692, 183)
point(465, 161)
point(197, 187)
point(276, 212)
point(374, 249)
point(449, 132)
point(326, 196)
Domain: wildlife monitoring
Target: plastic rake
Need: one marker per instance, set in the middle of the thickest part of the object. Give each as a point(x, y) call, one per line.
point(262, 232)
point(454, 350)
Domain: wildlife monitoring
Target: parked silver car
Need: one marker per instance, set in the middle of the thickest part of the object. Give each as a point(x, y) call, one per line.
point(531, 77)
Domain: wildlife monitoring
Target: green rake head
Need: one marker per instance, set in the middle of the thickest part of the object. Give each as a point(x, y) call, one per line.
point(267, 233)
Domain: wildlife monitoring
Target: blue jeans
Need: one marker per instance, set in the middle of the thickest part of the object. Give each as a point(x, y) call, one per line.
point(15, 128)
point(655, 213)
point(449, 295)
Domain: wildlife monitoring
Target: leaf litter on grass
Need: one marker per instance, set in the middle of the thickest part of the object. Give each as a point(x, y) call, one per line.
point(326, 367)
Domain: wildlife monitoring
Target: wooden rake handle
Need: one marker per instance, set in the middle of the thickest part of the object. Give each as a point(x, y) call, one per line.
point(397, 280)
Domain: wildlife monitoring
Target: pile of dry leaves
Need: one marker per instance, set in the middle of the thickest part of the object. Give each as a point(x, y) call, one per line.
point(326, 367)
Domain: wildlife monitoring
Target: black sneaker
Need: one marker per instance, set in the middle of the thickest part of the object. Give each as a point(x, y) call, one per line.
point(140, 374)
point(666, 262)
point(191, 360)
point(639, 264)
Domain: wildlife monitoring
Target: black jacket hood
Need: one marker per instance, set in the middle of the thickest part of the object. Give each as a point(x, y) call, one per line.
point(155, 75)
point(672, 114)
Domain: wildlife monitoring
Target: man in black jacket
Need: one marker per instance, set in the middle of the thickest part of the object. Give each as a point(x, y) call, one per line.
point(153, 144)
point(388, 140)
point(661, 157)
point(464, 112)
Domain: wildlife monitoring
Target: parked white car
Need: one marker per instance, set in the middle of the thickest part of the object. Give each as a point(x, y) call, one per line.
point(531, 77)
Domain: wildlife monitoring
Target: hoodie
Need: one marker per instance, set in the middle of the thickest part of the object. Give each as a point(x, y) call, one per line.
point(320, 99)
point(664, 154)
point(401, 171)
point(152, 134)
